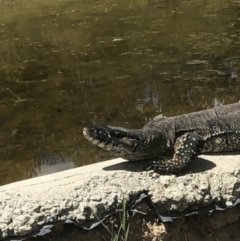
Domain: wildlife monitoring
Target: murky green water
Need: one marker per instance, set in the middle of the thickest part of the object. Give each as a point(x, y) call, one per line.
point(67, 64)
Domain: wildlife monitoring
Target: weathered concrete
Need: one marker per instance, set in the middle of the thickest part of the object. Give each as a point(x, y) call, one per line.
point(77, 193)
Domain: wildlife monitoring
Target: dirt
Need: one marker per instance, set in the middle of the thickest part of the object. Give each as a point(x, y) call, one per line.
point(220, 226)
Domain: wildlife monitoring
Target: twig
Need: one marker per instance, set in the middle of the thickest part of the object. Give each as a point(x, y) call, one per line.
point(18, 98)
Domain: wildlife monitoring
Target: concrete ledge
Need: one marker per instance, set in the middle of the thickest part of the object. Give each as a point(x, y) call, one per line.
point(77, 193)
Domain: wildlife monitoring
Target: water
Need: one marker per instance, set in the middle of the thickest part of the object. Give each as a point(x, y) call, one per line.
point(67, 64)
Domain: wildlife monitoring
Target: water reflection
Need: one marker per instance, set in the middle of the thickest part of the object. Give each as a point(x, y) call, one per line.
point(53, 164)
point(149, 96)
point(67, 64)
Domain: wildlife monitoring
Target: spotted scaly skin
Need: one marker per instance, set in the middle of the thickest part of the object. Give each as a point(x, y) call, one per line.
point(187, 148)
point(183, 137)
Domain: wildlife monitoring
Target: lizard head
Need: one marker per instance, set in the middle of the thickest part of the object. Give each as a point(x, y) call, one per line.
point(127, 143)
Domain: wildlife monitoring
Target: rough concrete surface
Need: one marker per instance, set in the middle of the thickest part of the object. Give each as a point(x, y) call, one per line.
point(79, 193)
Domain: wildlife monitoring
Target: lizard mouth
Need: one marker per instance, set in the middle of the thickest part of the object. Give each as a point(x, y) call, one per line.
point(104, 136)
point(131, 144)
point(115, 139)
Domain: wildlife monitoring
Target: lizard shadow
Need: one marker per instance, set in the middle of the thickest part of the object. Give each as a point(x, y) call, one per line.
point(199, 165)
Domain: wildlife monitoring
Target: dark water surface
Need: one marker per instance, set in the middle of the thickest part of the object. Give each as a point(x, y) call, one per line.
point(67, 64)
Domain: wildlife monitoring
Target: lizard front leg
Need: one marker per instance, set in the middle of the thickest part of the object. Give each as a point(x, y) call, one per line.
point(186, 149)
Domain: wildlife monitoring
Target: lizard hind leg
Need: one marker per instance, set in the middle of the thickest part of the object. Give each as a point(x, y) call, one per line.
point(187, 147)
